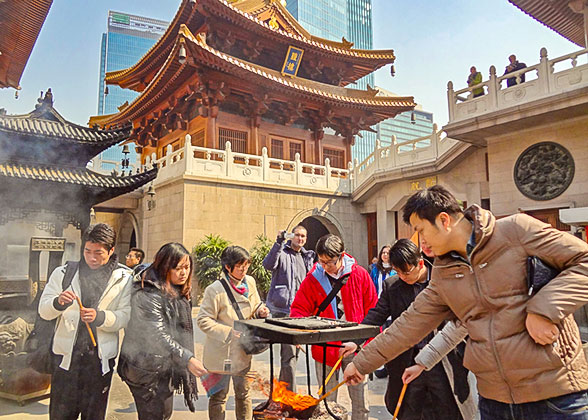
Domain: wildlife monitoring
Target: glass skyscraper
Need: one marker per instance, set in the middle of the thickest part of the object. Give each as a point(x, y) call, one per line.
point(127, 39)
point(335, 19)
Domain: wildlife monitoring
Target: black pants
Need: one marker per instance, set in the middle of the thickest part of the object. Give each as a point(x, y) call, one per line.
point(82, 389)
point(155, 402)
point(428, 397)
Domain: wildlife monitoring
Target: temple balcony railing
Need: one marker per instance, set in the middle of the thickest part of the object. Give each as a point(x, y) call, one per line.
point(547, 78)
point(232, 167)
point(418, 152)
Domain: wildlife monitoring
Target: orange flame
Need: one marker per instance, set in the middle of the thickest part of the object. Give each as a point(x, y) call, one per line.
point(284, 396)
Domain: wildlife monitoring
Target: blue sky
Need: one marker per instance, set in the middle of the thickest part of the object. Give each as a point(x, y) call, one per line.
point(434, 41)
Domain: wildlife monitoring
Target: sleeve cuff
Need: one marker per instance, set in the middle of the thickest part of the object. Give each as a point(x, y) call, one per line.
point(59, 306)
point(100, 317)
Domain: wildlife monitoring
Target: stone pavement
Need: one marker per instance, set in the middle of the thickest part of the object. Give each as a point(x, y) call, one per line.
point(122, 407)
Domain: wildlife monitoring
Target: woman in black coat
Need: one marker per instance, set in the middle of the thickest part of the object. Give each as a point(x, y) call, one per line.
point(157, 356)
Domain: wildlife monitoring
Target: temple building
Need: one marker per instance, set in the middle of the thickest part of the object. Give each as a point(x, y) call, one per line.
point(48, 192)
point(234, 102)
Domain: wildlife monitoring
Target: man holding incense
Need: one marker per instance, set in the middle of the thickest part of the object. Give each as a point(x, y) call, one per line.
point(91, 302)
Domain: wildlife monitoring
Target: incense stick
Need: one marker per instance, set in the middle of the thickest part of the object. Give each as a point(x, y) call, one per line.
point(330, 374)
point(331, 391)
point(87, 324)
point(400, 401)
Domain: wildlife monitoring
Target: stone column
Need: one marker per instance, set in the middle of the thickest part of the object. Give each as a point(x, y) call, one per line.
point(385, 223)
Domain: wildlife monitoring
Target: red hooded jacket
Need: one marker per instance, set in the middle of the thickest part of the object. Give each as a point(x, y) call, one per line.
point(358, 296)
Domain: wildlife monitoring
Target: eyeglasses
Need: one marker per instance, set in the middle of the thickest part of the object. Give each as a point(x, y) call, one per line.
point(331, 263)
point(406, 273)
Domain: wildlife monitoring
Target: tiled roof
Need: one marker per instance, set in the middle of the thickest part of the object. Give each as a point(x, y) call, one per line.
point(58, 128)
point(185, 14)
point(557, 15)
point(20, 24)
point(79, 176)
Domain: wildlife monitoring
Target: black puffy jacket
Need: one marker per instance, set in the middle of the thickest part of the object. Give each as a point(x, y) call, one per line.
point(150, 350)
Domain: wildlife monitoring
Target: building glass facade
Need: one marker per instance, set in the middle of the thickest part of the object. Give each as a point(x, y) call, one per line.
point(127, 39)
point(406, 128)
point(335, 19)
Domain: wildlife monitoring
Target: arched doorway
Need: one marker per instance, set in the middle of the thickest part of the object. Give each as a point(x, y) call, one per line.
point(128, 235)
point(315, 230)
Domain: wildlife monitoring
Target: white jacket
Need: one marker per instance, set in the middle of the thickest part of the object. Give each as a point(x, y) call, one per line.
point(115, 302)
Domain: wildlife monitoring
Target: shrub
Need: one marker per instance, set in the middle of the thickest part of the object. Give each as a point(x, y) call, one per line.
point(207, 266)
point(258, 252)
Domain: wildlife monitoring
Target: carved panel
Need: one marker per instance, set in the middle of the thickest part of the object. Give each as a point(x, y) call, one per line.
point(544, 171)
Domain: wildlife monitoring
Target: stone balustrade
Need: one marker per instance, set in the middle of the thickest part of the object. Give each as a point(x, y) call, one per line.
point(547, 78)
point(228, 166)
point(419, 151)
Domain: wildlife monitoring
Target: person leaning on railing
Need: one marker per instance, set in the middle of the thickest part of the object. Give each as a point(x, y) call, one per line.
point(475, 78)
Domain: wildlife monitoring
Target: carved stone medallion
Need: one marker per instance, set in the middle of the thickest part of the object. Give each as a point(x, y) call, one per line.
point(544, 171)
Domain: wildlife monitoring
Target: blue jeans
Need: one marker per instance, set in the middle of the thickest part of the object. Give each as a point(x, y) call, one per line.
point(570, 406)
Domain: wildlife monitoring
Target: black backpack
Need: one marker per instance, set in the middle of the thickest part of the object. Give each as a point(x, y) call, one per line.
point(40, 341)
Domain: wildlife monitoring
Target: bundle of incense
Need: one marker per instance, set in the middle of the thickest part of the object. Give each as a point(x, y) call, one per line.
point(87, 324)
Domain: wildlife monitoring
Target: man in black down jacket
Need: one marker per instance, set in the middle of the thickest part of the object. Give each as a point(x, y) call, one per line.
point(432, 395)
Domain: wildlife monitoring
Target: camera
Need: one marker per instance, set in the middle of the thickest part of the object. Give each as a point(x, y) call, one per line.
point(289, 235)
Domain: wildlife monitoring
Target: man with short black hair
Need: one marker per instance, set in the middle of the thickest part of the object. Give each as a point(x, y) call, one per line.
point(525, 350)
point(84, 361)
point(396, 297)
point(289, 262)
point(134, 257)
point(356, 296)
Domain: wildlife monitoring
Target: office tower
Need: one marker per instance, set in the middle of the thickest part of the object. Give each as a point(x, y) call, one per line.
point(127, 39)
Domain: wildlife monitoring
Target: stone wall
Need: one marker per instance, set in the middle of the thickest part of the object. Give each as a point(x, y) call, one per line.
point(503, 152)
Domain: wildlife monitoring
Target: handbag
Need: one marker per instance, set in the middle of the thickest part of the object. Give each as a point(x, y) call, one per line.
point(39, 343)
point(250, 343)
point(538, 274)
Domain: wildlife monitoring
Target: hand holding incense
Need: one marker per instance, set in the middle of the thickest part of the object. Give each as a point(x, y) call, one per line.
point(87, 324)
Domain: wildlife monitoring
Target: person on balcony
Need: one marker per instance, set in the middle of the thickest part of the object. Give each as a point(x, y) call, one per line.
point(475, 78)
point(289, 263)
point(513, 66)
point(337, 287)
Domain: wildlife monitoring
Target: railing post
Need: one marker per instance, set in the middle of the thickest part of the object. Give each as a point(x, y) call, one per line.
point(355, 172)
point(188, 154)
point(168, 152)
point(435, 140)
point(377, 154)
point(153, 159)
point(543, 72)
point(394, 153)
point(265, 163)
point(229, 160)
point(298, 168)
point(351, 177)
point(327, 171)
point(451, 100)
point(493, 88)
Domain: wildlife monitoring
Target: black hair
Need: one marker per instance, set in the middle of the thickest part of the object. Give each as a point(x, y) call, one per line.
point(233, 255)
point(403, 254)
point(330, 245)
point(380, 263)
point(102, 234)
point(167, 258)
point(140, 253)
point(428, 203)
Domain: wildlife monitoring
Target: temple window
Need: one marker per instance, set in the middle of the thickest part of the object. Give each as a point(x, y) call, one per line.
point(238, 139)
point(286, 149)
point(336, 157)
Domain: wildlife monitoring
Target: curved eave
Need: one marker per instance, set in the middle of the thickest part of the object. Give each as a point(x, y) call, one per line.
point(206, 55)
point(131, 77)
point(20, 24)
point(74, 176)
point(557, 16)
point(21, 125)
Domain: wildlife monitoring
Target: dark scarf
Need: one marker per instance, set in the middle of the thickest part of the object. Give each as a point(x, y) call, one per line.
point(183, 332)
point(93, 282)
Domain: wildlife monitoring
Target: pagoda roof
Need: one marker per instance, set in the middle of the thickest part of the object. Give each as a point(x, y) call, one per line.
point(556, 15)
point(76, 176)
point(20, 24)
point(45, 121)
point(247, 14)
point(172, 75)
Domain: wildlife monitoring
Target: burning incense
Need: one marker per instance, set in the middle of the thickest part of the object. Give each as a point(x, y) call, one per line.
point(87, 324)
point(340, 384)
point(400, 401)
